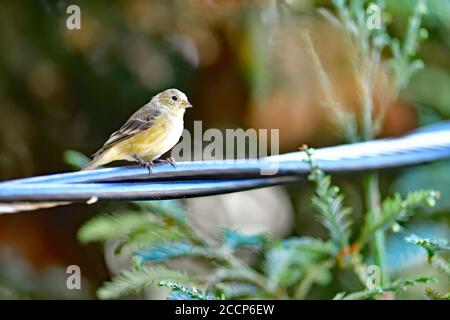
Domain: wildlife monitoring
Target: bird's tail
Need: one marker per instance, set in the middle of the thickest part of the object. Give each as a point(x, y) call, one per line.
point(90, 166)
point(96, 162)
point(30, 206)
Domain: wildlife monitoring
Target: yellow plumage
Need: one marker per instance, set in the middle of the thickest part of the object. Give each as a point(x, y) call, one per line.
point(150, 132)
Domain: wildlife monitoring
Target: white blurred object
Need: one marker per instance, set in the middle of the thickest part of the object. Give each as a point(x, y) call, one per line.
point(186, 47)
point(265, 210)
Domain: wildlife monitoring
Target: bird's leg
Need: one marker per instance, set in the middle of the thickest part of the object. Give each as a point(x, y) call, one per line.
point(146, 164)
point(169, 160)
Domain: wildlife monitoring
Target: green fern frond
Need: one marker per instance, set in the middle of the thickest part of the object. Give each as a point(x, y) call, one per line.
point(441, 264)
point(233, 290)
point(234, 239)
point(314, 258)
point(329, 202)
point(397, 286)
point(396, 209)
point(403, 64)
point(280, 268)
point(157, 233)
point(170, 209)
point(432, 294)
point(226, 274)
point(181, 292)
point(169, 250)
point(135, 280)
point(290, 260)
point(316, 249)
point(334, 217)
point(430, 245)
point(107, 226)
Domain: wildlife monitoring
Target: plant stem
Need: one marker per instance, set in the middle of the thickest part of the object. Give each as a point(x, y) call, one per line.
point(371, 180)
point(371, 187)
point(372, 197)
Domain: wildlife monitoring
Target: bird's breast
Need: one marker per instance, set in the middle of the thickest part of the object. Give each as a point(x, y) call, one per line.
point(158, 139)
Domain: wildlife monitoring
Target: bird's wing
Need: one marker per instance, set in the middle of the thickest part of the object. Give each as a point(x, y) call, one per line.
point(129, 129)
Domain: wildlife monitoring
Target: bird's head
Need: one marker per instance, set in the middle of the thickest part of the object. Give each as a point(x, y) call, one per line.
point(173, 99)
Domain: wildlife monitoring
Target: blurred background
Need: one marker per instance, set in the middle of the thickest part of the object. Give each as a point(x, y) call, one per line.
point(243, 64)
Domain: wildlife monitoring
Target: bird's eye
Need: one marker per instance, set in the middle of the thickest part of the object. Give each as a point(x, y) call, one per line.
point(174, 98)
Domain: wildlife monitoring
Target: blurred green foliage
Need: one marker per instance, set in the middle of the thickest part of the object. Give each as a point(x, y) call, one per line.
point(68, 90)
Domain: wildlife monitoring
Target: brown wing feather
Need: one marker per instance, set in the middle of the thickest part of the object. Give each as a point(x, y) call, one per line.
point(129, 129)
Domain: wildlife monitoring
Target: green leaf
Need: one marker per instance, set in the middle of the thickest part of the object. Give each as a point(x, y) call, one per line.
point(403, 64)
point(155, 233)
point(233, 290)
point(311, 248)
point(396, 209)
point(225, 274)
point(181, 292)
point(432, 175)
point(171, 209)
point(432, 294)
point(133, 281)
point(430, 245)
point(441, 264)
point(169, 250)
point(329, 202)
point(334, 218)
point(106, 226)
point(234, 239)
point(288, 261)
point(75, 159)
point(279, 268)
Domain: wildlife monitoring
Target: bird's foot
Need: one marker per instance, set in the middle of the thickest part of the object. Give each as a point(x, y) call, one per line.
point(149, 165)
point(169, 160)
point(146, 164)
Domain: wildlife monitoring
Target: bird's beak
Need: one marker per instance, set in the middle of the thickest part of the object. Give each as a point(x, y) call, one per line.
point(186, 104)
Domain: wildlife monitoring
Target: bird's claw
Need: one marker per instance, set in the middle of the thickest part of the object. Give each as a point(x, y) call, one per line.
point(149, 165)
point(169, 160)
point(172, 162)
point(146, 164)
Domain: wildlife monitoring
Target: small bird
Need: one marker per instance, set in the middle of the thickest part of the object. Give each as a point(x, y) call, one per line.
point(150, 132)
